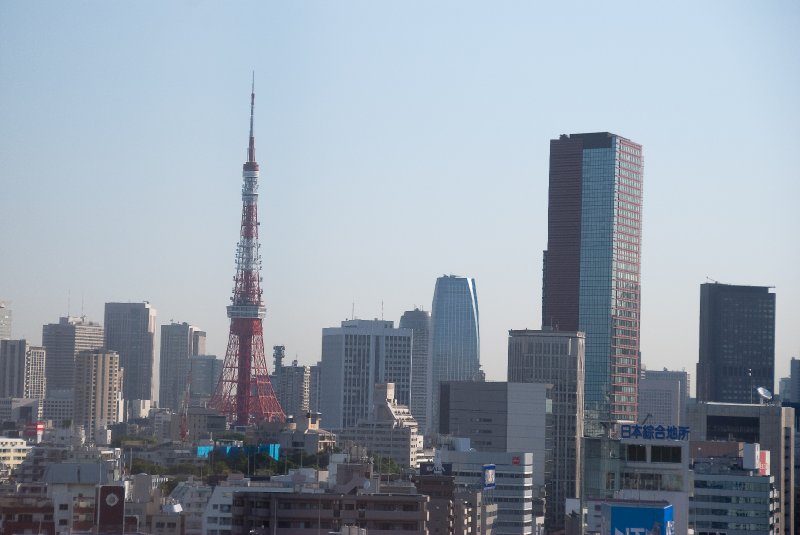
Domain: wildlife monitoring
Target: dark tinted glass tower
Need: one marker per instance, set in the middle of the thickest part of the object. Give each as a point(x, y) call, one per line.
point(592, 263)
point(737, 342)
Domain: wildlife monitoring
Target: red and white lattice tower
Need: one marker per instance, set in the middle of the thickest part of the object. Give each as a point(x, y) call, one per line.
point(244, 393)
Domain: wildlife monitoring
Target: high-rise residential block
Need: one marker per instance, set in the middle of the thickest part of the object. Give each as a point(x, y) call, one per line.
point(63, 341)
point(355, 357)
point(591, 268)
point(292, 384)
point(179, 342)
point(455, 337)
point(98, 390)
point(130, 330)
point(419, 321)
point(737, 342)
point(557, 359)
point(5, 320)
point(21, 370)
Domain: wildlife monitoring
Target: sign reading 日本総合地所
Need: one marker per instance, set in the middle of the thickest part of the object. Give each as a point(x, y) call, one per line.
point(654, 432)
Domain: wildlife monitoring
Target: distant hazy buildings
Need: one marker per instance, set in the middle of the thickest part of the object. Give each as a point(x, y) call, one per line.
point(557, 359)
point(63, 341)
point(21, 370)
point(5, 320)
point(179, 342)
point(455, 337)
point(206, 370)
point(591, 268)
point(737, 342)
point(98, 390)
point(419, 321)
point(355, 357)
point(663, 395)
point(130, 330)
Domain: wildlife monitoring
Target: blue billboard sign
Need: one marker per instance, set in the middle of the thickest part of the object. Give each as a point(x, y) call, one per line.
point(632, 520)
point(489, 474)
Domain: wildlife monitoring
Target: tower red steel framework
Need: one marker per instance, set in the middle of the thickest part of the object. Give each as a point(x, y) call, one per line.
point(244, 393)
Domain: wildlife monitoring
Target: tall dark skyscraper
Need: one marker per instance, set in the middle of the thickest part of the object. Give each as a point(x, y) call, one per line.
point(591, 267)
point(737, 342)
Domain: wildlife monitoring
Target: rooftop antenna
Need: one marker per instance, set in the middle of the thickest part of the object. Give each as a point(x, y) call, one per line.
point(69, 295)
point(353, 311)
point(83, 316)
point(381, 309)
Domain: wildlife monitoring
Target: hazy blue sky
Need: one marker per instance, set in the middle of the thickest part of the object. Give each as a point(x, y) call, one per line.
point(398, 141)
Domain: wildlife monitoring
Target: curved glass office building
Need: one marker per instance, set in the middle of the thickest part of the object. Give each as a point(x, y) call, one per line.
point(455, 337)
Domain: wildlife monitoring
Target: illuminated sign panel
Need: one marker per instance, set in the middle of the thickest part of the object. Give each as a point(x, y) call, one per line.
point(628, 520)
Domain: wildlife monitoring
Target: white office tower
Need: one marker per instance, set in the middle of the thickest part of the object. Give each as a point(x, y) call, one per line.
point(664, 395)
point(355, 357)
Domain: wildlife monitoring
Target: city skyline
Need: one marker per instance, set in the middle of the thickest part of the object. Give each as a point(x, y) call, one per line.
point(396, 141)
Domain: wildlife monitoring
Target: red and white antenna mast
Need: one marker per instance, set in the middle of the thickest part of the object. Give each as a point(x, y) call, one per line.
point(244, 393)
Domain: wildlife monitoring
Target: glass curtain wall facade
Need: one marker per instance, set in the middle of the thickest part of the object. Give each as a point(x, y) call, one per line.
point(455, 337)
point(591, 269)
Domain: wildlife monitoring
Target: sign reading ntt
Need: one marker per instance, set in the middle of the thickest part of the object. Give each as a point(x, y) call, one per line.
point(658, 432)
point(642, 520)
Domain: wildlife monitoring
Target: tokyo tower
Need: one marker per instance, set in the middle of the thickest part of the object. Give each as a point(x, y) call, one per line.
point(244, 393)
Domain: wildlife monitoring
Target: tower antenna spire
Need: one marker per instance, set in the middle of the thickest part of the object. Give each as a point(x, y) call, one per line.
point(251, 149)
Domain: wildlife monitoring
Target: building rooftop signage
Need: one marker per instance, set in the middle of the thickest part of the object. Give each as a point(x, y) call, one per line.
point(654, 432)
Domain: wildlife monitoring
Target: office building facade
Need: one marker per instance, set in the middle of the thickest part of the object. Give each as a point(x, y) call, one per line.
point(591, 268)
point(179, 342)
point(130, 330)
point(737, 342)
point(355, 357)
point(794, 381)
point(557, 359)
point(22, 368)
point(64, 340)
point(771, 426)
point(455, 337)
point(292, 386)
point(419, 321)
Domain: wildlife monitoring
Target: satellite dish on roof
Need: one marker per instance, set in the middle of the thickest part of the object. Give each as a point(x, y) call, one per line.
point(764, 394)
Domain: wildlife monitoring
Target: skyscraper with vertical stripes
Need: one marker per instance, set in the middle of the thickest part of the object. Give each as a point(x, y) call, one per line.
point(591, 268)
